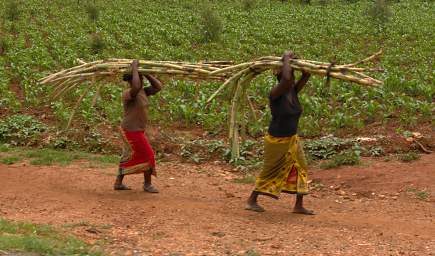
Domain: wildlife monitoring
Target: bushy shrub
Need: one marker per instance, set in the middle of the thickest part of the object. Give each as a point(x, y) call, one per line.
point(12, 10)
point(93, 12)
point(248, 5)
point(379, 12)
point(97, 43)
point(211, 24)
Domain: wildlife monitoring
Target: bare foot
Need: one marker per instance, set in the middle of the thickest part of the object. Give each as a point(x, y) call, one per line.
point(121, 187)
point(150, 189)
point(302, 210)
point(254, 207)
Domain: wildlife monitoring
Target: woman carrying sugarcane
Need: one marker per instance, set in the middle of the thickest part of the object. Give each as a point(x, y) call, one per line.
point(137, 154)
point(285, 167)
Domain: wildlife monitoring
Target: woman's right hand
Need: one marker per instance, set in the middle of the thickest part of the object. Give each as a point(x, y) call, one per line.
point(289, 55)
point(135, 64)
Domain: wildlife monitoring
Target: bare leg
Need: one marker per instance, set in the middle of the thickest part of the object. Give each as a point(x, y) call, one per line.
point(147, 186)
point(299, 208)
point(252, 204)
point(118, 183)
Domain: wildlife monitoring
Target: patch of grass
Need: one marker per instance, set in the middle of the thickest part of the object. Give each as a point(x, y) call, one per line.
point(420, 194)
point(409, 157)
point(247, 179)
point(42, 239)
point(4, 148)
point(108, 159)
point(11, 160)
point(50, 157)
point(252, 252)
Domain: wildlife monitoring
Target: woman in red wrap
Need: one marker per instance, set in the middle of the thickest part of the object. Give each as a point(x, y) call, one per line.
point(137, 154)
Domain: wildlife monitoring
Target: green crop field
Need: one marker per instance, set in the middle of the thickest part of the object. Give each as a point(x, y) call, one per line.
point(40, 36)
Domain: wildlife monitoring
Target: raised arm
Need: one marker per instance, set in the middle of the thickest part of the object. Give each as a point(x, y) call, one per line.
point(287, 77)
point(136, 84)
point(156, 85)
point(303, 81)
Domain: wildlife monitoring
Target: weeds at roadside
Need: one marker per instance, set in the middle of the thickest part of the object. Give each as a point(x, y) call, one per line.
point(409, 157)
point(20, 130)
point(41, 239)
point(49, 157)
point(10, 160)
point(349, 157)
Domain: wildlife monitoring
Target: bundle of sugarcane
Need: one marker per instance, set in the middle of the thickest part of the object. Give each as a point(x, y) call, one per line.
point(237, 78)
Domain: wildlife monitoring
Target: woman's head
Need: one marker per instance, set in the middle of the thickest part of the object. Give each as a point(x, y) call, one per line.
point(129, 77)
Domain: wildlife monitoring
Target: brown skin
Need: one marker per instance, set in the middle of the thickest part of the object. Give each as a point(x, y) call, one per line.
point(136, 84)
point(286, 83)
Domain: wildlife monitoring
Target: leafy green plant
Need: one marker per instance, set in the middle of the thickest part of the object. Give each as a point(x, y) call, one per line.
point(327, 147)
point(348, 157)
point(376, 151)
point(95, 142)
point(21, 130)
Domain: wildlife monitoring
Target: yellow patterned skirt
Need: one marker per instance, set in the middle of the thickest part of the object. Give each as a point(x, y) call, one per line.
point(285, 167)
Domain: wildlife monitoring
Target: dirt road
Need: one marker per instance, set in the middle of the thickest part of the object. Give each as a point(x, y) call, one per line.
point(379, 208)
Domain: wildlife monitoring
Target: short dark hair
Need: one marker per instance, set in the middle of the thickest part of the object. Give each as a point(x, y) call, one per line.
point(127, 77)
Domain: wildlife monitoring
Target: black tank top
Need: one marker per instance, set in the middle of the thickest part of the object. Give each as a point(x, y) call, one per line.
point(286, 111)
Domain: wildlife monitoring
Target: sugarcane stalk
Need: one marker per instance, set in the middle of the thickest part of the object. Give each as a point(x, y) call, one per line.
point(97, 93)
point(233, 134)
point(370, 58)
point(78, 104)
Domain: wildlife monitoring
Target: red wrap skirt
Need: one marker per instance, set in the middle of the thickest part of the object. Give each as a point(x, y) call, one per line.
point(137, 154)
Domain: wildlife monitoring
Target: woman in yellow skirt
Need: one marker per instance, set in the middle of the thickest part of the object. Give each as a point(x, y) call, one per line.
point(285, 167)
